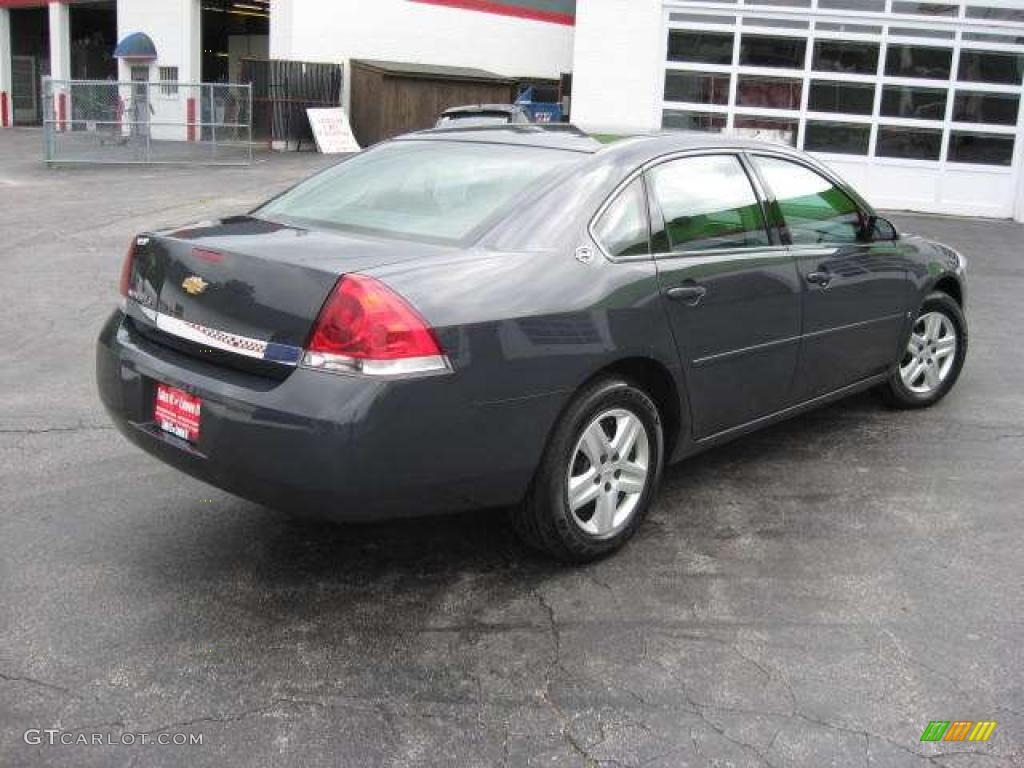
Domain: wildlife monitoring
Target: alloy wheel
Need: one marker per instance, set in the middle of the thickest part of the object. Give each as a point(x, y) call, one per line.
point(930, 354)
point(608, 472)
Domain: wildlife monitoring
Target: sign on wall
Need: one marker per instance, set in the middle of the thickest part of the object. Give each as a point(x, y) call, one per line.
point(332, 131)
point(553, 11)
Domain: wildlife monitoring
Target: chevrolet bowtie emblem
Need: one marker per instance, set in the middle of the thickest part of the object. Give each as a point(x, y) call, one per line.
point(194, 285)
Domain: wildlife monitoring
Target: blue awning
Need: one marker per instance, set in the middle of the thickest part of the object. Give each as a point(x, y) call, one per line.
point(137, 45)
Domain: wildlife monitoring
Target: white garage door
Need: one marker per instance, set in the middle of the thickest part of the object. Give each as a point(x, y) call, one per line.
point(917, 104)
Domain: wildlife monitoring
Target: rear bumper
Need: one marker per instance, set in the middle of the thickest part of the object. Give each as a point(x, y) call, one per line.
point(341, 447)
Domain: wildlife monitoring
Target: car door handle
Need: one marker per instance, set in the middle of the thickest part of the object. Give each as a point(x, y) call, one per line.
point(689, 293)
point(819, 278)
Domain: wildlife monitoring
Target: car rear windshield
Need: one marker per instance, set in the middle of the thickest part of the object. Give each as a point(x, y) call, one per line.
point(474, 118)
point(432, 190)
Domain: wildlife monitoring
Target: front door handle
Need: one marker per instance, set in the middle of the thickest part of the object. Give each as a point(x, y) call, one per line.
point(819, 278)
point(689, 293)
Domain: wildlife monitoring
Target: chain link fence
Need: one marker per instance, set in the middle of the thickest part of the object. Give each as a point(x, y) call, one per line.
point(106, 121)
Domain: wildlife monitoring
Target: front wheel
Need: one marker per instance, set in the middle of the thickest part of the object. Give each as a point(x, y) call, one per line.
point(933, 358)
point(598, 476)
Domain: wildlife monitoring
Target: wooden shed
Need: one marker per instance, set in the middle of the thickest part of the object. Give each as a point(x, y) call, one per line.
point(389, 98)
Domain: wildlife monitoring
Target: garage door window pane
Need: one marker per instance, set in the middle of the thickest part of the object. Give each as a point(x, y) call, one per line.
point(991, 67)
point(983, 148)
point(1001, 14)
point(766, 51)
point(924, 9)
point(813, 208)
point(707, 202)
point(917, 103)
point(767, 128)
point(851, 98)
point(771, 92)
point(697, 87)
point(622, 228)
point(871, 6)
point(842, 138)
point(911, 143)
point(845, 56)
point(978, 107)
point(701, 47)
point(918, 61)
point(678, 120)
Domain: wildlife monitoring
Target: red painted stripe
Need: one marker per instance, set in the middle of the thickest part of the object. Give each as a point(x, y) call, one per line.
point(517, 11)
point(3, 109)
point(190, 118)
point(62, 110)
point(23, 3)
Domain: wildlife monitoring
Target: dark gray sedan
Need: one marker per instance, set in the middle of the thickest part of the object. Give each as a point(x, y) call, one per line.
point(520, 317)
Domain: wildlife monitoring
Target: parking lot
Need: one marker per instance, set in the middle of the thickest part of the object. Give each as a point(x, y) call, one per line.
point(812, 595)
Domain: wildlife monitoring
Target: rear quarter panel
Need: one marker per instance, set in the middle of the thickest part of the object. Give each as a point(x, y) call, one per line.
point(523, 330)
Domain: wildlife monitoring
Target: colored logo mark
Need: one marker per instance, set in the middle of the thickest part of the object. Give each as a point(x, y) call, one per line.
point(958, 730)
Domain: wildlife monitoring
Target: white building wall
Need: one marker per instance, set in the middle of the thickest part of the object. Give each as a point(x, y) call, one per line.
point(174, 27)
point(418, 33)
point(619, 48)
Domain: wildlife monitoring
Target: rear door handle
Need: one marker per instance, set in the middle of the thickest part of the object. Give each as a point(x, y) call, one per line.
point(689, 293)
point(819, 278)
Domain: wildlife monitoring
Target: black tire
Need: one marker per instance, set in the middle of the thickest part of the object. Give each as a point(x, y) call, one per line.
point(544, 519)
point(895, 391)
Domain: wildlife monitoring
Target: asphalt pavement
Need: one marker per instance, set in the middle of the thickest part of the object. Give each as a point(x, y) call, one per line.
point(813, 595)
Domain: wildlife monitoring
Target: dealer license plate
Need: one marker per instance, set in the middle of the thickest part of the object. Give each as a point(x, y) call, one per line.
point(177, 412)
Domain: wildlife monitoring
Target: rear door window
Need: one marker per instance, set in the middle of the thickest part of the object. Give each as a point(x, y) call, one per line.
point(707, 202)
point(622, 230)
point(813, 209)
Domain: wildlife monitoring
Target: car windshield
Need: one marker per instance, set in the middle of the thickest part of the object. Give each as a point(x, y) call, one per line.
point(433, 190)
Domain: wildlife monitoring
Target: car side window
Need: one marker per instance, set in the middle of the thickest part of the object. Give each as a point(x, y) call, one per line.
point(622, 229)
point(813, 209)
point(708, 202)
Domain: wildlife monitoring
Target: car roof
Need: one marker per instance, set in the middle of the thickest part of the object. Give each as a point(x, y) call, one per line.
point(637, 147)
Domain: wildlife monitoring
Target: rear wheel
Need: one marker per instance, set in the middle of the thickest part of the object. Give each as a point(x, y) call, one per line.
point(933, 358)
point(598, 476)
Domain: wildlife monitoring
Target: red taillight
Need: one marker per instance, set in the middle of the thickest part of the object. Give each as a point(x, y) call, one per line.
point(366, 326)
point(126, 269)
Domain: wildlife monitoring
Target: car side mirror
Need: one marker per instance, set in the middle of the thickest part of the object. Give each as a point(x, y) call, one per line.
point(880, 229)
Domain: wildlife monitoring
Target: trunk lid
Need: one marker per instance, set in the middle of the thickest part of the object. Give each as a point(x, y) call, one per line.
point(247, 288)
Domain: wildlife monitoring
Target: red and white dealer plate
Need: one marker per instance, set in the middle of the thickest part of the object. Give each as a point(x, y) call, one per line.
point(177, 412)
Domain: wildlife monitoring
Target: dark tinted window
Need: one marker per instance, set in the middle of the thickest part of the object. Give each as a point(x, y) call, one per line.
point(697, 87)
point(843, 138)
point(845, 56)
point(851, 98)
point(680, 120)
point(909, 101)
point(704, 47)
point(980, 107)
point(913, 143)
point(769, 51)
point(622, 229)
point(991, 67)
point(708, 202)
point(813, 208)
point(984, 148)
point(770, 92)
point(918, 61)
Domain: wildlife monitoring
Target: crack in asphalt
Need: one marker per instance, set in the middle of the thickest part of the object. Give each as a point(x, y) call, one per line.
point(51, 430)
